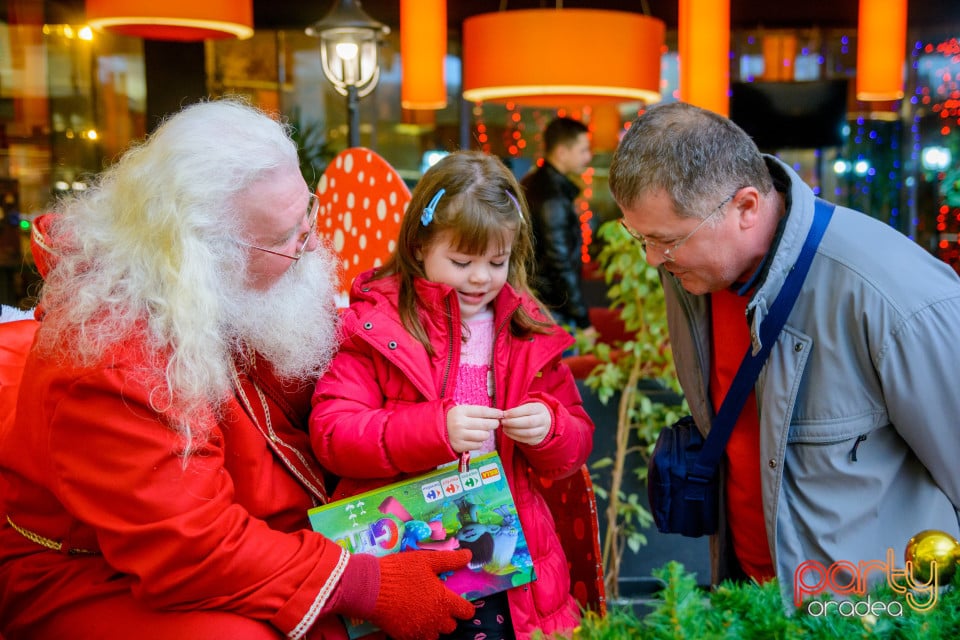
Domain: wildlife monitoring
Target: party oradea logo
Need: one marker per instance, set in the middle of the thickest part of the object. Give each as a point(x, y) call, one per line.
point(930, 560)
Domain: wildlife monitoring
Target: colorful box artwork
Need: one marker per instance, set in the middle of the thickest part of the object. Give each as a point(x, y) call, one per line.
point(442, 510)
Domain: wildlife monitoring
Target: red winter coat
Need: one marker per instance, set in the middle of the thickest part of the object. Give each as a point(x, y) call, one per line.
point(101, 518)
point(380, 415)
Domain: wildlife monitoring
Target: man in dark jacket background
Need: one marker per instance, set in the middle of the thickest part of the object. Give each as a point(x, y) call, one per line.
point(556, 223)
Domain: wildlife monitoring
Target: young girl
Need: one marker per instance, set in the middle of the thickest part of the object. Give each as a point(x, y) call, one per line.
point(447, 351)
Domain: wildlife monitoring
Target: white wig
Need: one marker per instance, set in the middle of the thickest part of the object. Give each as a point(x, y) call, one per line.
point(147, 256)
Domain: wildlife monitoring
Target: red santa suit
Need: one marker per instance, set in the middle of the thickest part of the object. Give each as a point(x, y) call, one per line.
point(104, 521)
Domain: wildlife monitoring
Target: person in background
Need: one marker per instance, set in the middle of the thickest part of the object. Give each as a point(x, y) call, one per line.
point(445, 351)
point(158, 471)
point(847, 446)
point(555, 222)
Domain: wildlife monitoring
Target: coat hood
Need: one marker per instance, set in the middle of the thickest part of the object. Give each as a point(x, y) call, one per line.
point(373, 314)
point(437, 297)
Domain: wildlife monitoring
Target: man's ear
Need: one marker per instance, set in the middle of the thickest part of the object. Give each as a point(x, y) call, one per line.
point(747, 204)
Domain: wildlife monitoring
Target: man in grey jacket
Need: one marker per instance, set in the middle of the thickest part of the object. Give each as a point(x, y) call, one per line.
point(848, 444)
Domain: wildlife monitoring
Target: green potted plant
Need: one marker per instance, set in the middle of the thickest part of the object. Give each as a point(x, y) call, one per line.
point(313, 149)
point(639, 373)
point(682, 609)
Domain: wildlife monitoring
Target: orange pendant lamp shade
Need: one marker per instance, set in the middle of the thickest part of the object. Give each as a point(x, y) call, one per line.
point(423, 47)
point(553, 57)
point(605, 127)
point(779, 55)
point(881, 49)
point(183, 20)
point(704, 49)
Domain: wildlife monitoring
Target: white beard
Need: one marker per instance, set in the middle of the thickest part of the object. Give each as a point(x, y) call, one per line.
point(294, 323)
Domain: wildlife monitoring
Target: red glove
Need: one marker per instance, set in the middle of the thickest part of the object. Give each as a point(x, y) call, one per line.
point(412, 603)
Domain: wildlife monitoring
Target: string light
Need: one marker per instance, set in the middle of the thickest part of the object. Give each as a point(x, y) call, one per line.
point(937, 111)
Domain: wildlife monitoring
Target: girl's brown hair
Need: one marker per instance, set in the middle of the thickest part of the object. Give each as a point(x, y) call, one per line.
point(481, 200)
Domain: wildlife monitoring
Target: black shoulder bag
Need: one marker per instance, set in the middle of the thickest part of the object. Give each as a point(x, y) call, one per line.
point(682, 481)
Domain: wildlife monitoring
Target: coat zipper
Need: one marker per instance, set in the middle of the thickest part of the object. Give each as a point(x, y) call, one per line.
point(493, 361)
point(450, 345)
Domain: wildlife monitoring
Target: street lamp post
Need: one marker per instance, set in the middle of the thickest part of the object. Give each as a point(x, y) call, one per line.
point(349, 50)
point(353, 116)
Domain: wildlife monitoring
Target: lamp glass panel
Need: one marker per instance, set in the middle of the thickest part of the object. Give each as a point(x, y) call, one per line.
point(345, 65)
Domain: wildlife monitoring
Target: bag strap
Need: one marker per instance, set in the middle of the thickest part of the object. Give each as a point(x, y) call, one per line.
point(706, 464)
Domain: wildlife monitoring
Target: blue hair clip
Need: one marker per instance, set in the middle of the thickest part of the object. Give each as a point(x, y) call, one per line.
point(427, 216)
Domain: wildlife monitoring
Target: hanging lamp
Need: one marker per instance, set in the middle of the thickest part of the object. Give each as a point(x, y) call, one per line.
point(423, 47)
point(183, 20)
point(704, 50)
point(881, 49)
point(779, 56)
point(605, 127)
point(556, 57)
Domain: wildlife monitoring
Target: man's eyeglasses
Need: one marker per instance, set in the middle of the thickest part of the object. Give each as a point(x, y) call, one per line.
point(668, 250)
point(313, 210)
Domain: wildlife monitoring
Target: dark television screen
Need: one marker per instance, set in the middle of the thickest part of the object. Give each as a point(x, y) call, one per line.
point(785, 115)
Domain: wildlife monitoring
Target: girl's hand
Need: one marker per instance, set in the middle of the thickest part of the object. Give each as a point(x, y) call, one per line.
point(470, 425)
point(528, 424)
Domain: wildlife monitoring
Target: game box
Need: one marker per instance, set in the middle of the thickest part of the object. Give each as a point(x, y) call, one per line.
point(441, 510)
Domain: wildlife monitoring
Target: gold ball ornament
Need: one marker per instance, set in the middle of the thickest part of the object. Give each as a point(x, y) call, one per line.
point(932, 545)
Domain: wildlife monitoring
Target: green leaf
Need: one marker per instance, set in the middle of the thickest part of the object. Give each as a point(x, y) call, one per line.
point(634, 291)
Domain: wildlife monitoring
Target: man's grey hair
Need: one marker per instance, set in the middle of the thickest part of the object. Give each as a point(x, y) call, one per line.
point(696, 156)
